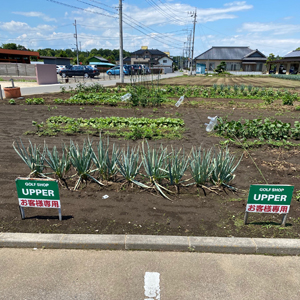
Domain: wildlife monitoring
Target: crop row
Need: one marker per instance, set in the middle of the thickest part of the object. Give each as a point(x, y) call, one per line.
point(232, 92)
point(130, 128)
point(283, 76)
point(266, 129)
point(146, 167)
point(147, 96)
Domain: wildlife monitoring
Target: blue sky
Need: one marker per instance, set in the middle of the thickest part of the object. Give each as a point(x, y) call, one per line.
point(267, 25)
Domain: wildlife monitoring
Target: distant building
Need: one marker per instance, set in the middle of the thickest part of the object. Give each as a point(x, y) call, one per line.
point(63, 61)
point(96, 59)
point(16, 56)
point(289, 64)
point(126, 61)
point(165, 63)
point(236, 58)
point(148, 57)
point(100, 62)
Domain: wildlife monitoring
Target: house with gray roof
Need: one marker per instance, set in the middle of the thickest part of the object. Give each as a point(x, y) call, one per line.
point(148, 57)
point(236, 58)
point(289, 64)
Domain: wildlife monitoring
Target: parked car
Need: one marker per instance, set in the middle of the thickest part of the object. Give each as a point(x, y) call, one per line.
point(92, 67)
point(116, 70)
point(84, 71)
point(141, 69)
point(59, 68)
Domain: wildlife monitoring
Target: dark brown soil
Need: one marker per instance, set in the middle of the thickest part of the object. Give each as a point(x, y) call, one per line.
point(133, 210)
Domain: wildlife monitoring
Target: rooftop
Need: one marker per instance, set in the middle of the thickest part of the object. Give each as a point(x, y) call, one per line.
point(19, 52)
point(228, 53)
point(295, 53)
point(53, 57)
point(151, 51)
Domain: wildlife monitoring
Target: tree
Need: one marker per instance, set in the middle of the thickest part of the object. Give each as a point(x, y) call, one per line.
point(271, 58)
point(111, 59)
point(298, 49)
point(62, 53)
point(13, 46)
point(221, 67)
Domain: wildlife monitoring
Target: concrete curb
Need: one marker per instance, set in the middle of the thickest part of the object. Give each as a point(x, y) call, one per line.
point(151, 243)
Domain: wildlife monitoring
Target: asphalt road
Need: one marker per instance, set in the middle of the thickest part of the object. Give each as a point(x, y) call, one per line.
point(52, 88)
point(131, 275)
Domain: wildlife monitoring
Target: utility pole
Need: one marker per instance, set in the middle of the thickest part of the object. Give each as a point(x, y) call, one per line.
point(183, 55)
point(189, 39)
point(75, 36)
point(194, 14)
point(121, 42)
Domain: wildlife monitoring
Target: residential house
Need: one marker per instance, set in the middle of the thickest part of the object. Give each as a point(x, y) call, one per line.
point(165, 63)
point(126, 61)
point(148, 57)
point(236, 58)
point(289, 64)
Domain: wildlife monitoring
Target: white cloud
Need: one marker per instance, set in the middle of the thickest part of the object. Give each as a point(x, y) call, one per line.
point(18, 27)
point(178, 13)
point(35, 14)
point(276, 29)
point(235, 3)
point(136, 19)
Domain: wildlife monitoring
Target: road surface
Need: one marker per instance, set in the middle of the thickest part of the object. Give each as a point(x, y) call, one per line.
point(137, 275)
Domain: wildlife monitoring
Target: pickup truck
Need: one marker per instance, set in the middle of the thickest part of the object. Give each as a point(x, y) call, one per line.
point(83, 71)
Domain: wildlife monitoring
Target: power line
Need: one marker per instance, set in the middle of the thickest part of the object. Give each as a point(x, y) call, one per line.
point(163, 12)
point(129, 19)
point(76, 7)
point(169, 10)
point(94, 12)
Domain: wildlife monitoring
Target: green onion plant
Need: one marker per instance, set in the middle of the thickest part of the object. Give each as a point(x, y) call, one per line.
point(33, 156)
point(81, 161)
point(201, 166)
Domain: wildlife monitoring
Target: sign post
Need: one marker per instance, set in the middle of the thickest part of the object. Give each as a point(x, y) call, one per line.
point(38, 193)
point(275, 199)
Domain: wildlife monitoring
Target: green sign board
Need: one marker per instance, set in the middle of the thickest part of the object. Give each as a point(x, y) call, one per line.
point(38, 193)
point(270, 198)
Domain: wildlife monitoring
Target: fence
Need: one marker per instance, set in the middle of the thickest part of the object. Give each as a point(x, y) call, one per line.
point(17, 69)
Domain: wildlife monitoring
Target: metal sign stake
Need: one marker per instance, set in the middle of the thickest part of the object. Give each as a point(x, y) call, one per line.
point(22, 212)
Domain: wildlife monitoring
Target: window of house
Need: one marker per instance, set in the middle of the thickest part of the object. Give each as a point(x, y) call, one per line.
point(233, 66)
point(248, 68)
point(259, 67)
point(165, 61)
point(211, 66)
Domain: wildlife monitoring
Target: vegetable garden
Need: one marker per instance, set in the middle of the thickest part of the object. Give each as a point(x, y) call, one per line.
point(162, 172)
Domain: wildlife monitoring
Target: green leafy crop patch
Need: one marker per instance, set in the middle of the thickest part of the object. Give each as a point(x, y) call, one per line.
point(129, 128)
point(266, 129)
